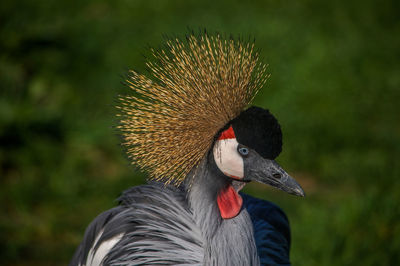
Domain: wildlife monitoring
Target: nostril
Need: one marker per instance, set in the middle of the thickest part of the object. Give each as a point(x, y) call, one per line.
point(277, 175)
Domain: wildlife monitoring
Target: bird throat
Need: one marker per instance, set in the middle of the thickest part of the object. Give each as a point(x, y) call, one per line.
point(229, 202)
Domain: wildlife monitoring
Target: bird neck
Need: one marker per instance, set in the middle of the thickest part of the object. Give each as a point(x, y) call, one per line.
point(227, 241)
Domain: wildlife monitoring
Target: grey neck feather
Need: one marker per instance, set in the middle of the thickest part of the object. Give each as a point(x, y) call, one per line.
point(227, 241)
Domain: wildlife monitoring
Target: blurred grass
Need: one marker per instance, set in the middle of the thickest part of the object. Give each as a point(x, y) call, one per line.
point(335, 87)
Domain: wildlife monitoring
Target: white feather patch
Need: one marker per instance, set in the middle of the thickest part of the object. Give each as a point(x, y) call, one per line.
point(228, 159)
point(95, 258)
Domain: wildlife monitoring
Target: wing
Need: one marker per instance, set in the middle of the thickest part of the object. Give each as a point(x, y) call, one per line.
point(152, 226)
point(271, 231)
point(84, 253)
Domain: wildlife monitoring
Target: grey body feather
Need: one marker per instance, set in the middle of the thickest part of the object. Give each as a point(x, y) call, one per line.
point(174, 226)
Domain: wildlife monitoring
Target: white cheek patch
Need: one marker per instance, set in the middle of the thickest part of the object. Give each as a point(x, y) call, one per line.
point(228, 159)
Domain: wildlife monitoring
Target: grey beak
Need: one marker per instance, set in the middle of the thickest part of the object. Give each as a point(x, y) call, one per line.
point(269, 172)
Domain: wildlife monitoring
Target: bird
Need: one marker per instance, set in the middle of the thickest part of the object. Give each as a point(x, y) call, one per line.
point(189, 124)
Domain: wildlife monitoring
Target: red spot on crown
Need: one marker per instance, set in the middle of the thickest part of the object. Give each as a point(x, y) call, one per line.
point(227, 134)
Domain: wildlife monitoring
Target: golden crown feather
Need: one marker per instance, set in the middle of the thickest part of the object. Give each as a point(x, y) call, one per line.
point(195, 87)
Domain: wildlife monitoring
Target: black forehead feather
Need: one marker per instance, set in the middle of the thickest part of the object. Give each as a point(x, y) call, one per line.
point(259, 130)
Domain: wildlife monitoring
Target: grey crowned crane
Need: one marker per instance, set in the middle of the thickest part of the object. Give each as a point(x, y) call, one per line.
point(190, 127)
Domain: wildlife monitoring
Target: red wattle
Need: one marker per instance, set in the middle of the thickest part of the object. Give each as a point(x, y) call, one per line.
point(229, 202)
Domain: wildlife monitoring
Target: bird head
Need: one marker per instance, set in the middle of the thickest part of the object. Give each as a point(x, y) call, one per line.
point(245, 151)
point(192, 106)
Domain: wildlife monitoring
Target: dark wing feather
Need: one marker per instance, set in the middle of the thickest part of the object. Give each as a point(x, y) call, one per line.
point(271, 230)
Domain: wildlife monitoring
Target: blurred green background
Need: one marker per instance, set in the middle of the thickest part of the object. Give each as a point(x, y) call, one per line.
point(334, 86)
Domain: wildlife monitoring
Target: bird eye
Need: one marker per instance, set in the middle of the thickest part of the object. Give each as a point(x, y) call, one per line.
point(243, 151)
